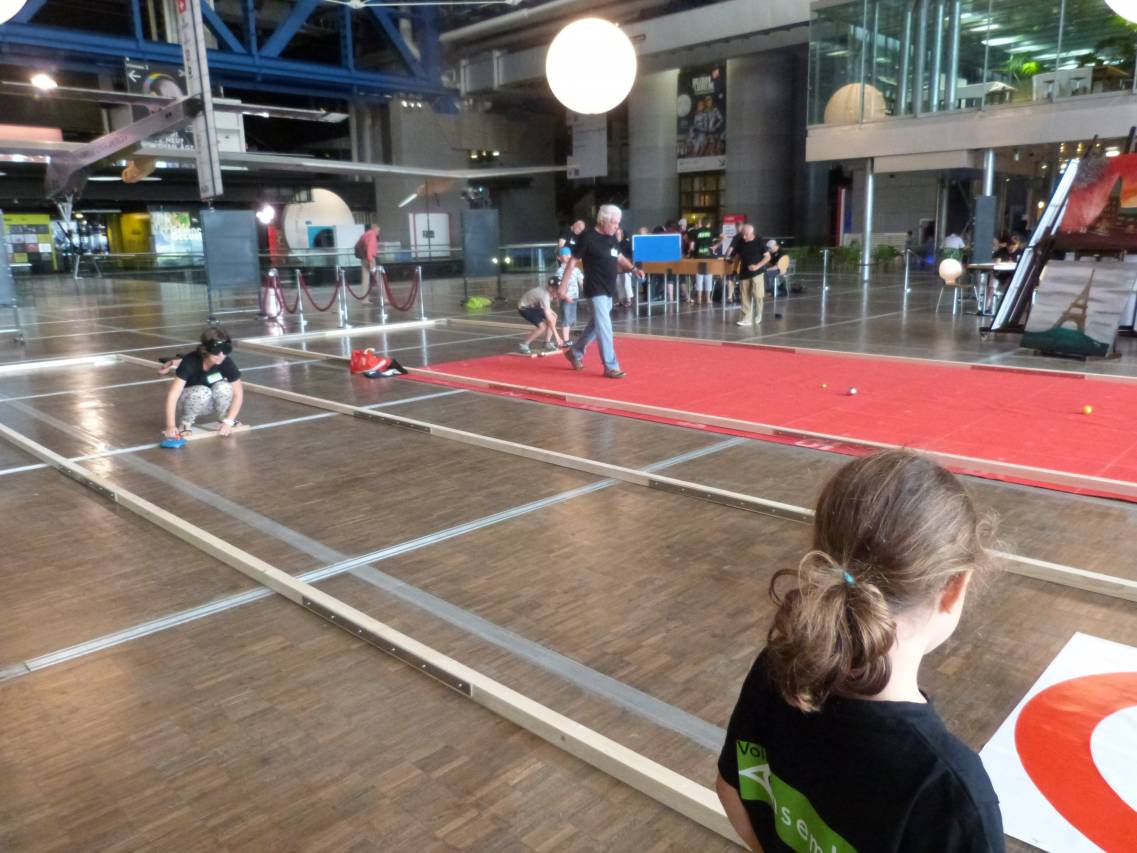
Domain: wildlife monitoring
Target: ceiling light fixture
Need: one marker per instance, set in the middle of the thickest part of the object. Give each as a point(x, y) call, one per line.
point(43, 82)
point(408, 199)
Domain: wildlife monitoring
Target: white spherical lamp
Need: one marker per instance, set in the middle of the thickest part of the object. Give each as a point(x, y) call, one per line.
point(9, 8)
point(950, 270)
point(591, 66)
point(1125, 8)
point(844, 107)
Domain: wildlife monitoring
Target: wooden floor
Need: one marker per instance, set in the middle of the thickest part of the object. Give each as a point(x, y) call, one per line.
point(153, 698)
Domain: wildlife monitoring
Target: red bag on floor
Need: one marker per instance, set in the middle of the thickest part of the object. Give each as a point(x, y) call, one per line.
point(365, 361)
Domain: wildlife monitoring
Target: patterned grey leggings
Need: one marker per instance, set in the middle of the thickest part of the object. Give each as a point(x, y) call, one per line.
point(198, 400)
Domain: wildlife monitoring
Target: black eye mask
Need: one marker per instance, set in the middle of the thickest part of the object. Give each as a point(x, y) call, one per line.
point(219, 348)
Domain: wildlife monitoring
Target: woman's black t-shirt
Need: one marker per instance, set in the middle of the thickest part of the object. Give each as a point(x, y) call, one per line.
point(193, 372)
point(858, 775)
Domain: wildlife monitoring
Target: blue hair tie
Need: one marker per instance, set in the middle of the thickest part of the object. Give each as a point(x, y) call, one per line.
point(849, 579)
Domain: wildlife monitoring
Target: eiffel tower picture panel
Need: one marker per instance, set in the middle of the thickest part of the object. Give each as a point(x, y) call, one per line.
point(1078, 307)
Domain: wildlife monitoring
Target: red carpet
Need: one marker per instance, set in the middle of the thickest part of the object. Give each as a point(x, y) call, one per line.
point(992, 415)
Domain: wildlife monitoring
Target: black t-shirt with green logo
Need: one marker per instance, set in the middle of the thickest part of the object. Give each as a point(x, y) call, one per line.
point(858, 776)
point(704, 242)
point(193, 371)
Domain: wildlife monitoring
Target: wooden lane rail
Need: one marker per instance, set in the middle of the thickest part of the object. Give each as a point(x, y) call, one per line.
point(1069, 576)
point(690, 266)
point(679, 793)
point(967, 464)
point(16, 367)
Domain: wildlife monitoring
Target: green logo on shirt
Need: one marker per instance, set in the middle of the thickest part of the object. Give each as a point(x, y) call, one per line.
point(795, 820)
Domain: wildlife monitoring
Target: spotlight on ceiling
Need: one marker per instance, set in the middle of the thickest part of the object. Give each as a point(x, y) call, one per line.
point(44, 82)
point(408, 199)
point(266, 214)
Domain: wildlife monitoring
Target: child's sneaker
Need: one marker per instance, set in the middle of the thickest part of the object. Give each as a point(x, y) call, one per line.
point(550, 346)
point(525, 349)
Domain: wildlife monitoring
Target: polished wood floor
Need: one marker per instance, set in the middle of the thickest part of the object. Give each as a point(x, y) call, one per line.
point(152, 698)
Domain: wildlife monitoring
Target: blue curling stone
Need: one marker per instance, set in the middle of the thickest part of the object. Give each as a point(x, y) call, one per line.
point(173, 443)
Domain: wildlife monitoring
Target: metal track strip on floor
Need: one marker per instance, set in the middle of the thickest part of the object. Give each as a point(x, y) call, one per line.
point(349, 331)
point(1069, 576)
point(679, 793)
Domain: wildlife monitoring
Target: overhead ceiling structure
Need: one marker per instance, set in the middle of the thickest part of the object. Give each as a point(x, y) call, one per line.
point(303, 47)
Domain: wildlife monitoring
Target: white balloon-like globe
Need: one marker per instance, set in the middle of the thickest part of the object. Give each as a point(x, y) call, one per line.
point(1125, 8)
point(950, 270)
point(591, 66)
point(9, 8)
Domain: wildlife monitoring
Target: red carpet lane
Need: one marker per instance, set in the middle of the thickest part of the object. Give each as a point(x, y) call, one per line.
point(1032, 419)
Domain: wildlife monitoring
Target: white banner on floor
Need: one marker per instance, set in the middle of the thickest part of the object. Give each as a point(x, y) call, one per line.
point(1064, 764)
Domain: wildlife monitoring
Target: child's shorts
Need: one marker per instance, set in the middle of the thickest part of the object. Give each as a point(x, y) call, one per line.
point(536, 316)
point(568, 312)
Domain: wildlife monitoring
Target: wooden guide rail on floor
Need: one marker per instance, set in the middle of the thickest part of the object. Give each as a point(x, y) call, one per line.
point(673, 790)
point(1043, 570)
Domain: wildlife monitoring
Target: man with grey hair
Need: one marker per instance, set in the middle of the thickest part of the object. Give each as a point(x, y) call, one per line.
point(597, 250)
point(751, 255)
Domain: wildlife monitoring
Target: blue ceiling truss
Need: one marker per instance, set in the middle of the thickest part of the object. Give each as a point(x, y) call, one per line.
point(239, 61)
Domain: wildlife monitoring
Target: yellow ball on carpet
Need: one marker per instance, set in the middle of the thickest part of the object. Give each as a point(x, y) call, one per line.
point(1087, 410)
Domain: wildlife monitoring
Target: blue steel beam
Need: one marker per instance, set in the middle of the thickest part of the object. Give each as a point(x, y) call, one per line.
point(347, 46)
point(249, 19)
point(28, 12)
point(219, 29)
point(96, 52)
point(136, 20)
point(391, 30)
point(430, 48)
point(287, 28)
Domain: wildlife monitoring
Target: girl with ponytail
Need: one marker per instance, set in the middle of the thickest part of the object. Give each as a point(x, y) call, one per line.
point(833, 746)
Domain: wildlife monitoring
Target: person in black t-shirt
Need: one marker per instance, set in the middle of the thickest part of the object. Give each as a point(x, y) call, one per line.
point(205, 379)
point(832, 745)
point(597, 250)
point(569, 234)
point(751, 255)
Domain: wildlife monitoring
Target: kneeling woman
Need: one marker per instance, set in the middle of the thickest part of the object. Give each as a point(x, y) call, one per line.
point(205, 380)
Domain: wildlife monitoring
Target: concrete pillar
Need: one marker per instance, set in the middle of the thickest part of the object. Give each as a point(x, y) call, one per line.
point(989, 172)
point(866, 241)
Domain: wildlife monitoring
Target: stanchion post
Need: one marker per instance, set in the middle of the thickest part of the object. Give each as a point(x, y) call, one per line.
point(341, 298)
point(825, 270)
point(907, 269)
point(381, 273)
point(300, 301)
point(421, 294)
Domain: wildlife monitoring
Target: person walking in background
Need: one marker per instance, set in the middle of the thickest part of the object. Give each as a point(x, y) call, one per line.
point(572, 293)
point(598, 251)
point(367, 251)
point(569, 235)
point(750, 253)
point(624, 244)
point(833, 745)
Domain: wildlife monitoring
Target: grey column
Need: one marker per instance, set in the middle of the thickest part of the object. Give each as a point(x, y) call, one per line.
point(953, 61)
point(937, 58)
point(921, 59)
point(942, 209)
point(989, 172)
point(866, 241)
point(905, 60)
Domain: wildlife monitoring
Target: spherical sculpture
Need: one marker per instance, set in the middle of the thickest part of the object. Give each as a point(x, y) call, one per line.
point(9, 8)
point(591, 66)
point(1125, 8)
point(845, 105)
point(950, 270)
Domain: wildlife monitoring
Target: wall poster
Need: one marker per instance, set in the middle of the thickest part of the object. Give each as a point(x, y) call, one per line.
point(701, 111)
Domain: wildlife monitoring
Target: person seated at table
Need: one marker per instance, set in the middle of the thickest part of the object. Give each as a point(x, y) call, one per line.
point(205, 379)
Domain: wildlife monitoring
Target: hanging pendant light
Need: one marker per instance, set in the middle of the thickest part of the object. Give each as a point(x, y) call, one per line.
point(591, 66)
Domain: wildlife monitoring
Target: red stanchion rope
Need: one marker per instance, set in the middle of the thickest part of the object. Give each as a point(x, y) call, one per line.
point(370, 287)
point(411, 297)
point(316, 304)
